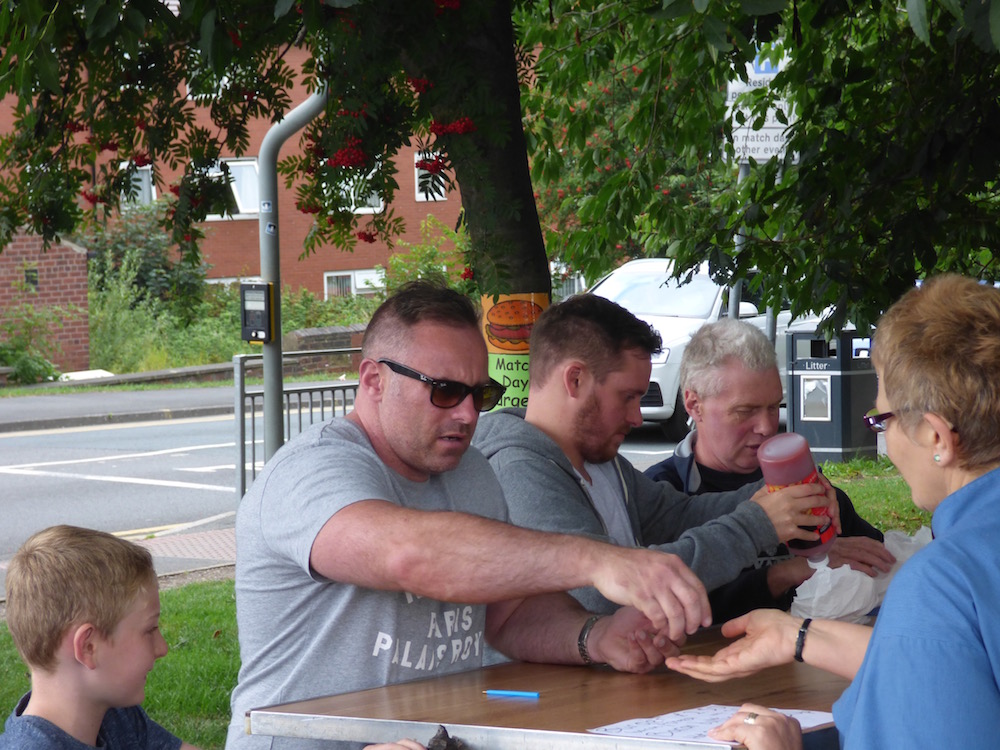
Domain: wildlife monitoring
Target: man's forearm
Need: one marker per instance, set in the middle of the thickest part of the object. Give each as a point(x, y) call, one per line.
point(538, 629)
point(449, 556)
point(464, 558)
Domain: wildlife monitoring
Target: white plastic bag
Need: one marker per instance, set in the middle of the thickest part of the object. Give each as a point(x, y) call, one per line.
point(850, 595)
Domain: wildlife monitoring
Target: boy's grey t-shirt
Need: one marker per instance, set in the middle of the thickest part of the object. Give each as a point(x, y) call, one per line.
point(122, 729)
point(303, 636)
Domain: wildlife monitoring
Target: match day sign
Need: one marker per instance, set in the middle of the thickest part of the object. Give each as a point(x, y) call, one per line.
point(507, 324)
point(770, 139)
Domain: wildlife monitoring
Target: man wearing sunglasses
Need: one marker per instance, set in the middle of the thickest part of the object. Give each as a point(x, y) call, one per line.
point(373, 548)
point(559, 466)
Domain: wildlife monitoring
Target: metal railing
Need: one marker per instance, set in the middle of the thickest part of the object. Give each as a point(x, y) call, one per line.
point(303, 405)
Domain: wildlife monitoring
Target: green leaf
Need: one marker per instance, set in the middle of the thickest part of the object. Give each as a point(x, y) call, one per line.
point(763, 7)
point(916, 11)
point(700, 6)
point(207, 34)
point(995, 22)
point(47, 68)
point(953, 6)
point(282, 7)
point(672, 9)
point(134, 20)
point(104, 22)
point(32, 12)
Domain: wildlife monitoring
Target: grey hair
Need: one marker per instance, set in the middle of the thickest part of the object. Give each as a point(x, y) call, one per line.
point(717, 344)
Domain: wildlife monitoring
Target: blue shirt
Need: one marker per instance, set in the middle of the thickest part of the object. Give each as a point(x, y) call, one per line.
point(929, 677)
point(122, 729)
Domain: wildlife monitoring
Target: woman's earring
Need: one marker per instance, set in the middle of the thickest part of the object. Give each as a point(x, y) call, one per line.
point(937, 458)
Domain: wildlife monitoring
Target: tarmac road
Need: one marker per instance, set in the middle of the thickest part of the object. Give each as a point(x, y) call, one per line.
point(210, 543)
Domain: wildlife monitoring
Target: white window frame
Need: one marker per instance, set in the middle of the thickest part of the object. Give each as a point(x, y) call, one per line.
point(359, 279)
point(420, 196)
point(247, 205)
point(144, 175)
point(349, 190)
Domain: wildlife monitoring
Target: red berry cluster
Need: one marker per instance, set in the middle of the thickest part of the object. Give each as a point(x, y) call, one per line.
point(349, 156)
point(420, 85)
point(461, 126)
point(102, 145)
point(363, 112)
point(91, 197)
point(434, 166)
point(308, 208)
point(466, 273)
point(442, 5)
point(368, 237)
point(142, 159)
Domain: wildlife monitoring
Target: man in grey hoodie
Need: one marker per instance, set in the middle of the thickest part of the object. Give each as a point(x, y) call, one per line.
point(559, 466)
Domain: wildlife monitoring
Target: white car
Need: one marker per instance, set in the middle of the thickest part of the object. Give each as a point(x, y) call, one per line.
point(646, 289)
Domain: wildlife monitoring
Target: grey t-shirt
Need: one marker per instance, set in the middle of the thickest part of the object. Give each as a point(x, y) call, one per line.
point(121, 729)
point(302, 635)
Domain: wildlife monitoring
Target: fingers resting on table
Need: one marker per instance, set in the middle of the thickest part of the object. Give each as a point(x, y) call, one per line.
point(760, 728)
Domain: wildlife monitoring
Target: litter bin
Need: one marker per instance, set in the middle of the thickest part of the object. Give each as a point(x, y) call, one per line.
point(831, 384)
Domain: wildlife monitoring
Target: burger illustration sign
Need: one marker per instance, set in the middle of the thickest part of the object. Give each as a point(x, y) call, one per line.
point(507, 324)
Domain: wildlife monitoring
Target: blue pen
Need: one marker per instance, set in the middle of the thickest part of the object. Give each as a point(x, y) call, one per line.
point(511, 694)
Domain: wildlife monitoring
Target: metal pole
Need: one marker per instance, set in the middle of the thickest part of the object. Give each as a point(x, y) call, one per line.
point(270, 258)
point(736, 290)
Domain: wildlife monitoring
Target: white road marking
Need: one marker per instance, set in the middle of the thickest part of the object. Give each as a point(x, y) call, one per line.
point(114, 426)
point(115, 480)
point(119, 456)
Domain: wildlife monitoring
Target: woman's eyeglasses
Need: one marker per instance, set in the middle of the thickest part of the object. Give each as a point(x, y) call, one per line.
point(877, 422)
point(447, 394)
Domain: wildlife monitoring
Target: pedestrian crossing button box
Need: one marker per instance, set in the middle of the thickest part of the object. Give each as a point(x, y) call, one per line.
point(256, 311)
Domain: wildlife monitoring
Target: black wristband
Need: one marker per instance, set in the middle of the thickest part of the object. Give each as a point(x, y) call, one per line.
point(581, 641)
point(800, 641)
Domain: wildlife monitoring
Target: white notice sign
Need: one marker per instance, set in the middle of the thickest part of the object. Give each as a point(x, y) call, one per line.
point(768, 140)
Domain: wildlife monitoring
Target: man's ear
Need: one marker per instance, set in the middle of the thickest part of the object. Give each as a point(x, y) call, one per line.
point(692, 404)
point(85, 643)
point(574, 375)
point(370, 378)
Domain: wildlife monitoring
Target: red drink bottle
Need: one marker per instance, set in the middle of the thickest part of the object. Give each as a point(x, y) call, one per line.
point(784, 460)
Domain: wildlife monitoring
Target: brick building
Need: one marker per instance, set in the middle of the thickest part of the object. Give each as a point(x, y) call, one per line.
point(231, 244)
point(55, 278)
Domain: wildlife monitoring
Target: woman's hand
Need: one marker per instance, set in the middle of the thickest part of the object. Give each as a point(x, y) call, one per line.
point(760, 728)
point(768, 640)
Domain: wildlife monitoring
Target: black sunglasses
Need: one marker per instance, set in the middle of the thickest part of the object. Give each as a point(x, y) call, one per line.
point(877, 422)
point(446, 394)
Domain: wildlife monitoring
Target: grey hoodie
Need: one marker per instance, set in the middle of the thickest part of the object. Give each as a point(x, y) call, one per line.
point(717, 535)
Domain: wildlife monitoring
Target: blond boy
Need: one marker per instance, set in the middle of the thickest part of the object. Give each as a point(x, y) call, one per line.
point(83, 608)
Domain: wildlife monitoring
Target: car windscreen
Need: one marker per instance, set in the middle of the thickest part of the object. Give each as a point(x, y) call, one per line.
point(660, 295)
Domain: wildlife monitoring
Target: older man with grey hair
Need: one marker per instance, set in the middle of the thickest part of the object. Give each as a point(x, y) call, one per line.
point(732, 392)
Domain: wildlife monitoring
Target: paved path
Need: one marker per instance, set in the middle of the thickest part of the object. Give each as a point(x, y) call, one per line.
point(50, 410)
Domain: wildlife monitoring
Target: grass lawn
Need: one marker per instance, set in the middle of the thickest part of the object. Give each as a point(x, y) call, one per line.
point(879, 493)
point(188, 691)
